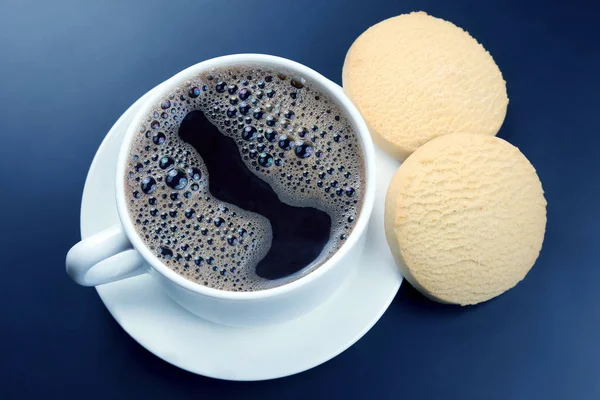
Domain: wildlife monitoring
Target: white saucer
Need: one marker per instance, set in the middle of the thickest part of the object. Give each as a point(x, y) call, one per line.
point(182, 339)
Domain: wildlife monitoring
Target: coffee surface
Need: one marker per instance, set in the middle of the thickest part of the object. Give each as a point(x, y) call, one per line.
point(244, 178)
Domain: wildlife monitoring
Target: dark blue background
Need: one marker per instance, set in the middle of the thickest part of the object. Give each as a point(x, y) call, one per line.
point(69, 68)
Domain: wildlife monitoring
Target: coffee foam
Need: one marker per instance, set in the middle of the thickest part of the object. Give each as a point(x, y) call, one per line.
point(299, 142)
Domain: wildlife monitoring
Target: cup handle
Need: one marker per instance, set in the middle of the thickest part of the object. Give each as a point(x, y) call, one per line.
point(105, 257)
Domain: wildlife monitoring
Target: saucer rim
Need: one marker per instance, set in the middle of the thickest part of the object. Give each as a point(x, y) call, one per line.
point(146, 344)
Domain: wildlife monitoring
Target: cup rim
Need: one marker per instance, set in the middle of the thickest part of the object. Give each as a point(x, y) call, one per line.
point(324, 84)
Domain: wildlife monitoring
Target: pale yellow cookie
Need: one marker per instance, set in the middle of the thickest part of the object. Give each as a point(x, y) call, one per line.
point(465, 217)
point(415, 77)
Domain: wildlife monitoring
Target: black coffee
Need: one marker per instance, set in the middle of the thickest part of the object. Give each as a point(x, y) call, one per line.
point(245, 178)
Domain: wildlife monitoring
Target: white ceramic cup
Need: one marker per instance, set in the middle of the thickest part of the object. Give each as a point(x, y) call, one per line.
point(118, 252)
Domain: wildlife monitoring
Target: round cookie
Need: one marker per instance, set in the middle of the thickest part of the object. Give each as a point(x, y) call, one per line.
point(415, 77)
point(465, 217)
